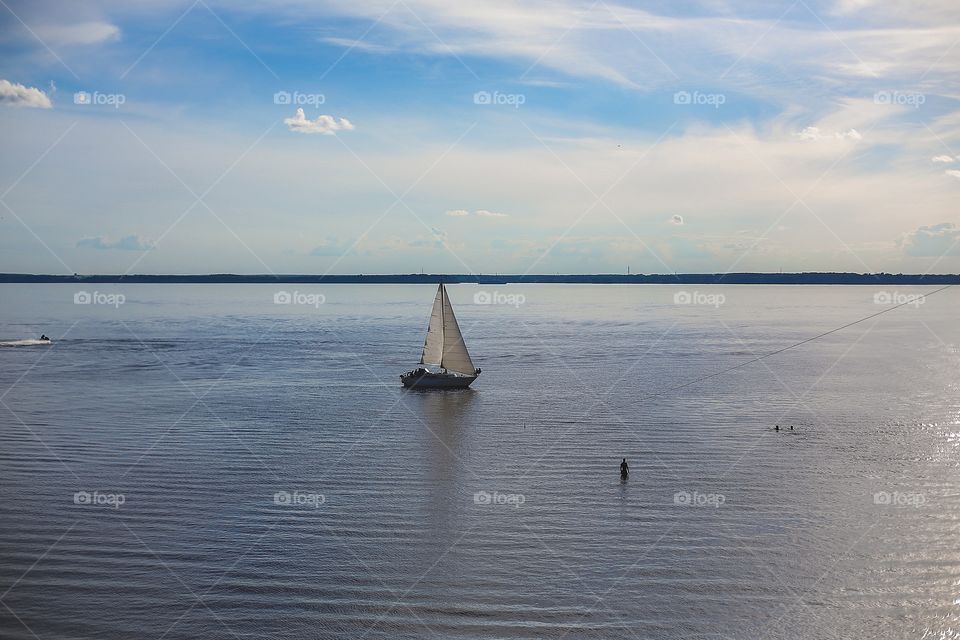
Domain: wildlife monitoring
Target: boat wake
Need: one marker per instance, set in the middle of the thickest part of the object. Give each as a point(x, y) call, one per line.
point(33, 342)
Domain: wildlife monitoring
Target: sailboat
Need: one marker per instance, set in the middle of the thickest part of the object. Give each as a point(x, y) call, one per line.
point(443, 349)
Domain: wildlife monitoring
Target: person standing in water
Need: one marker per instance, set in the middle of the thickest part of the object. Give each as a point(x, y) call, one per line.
point(624, 469)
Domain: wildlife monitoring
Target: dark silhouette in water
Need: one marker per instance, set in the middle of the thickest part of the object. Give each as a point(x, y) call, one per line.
point(791, 427)
point(776, 428)
point(44, 338)
point(624, 469)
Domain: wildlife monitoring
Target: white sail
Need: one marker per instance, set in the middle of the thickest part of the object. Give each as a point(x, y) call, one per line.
point(433, 345)
point(444, 344)
point(455, 356)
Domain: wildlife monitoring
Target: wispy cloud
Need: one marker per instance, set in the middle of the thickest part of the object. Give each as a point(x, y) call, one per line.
point(83, 33)
point(933, 241)
point(353, 43)
point(814, 133)
point(741, 45)
point(127, 243)
point(480, 213)
point(826, 112)
point(17, 95)
point(437, 241)
point(332, 247)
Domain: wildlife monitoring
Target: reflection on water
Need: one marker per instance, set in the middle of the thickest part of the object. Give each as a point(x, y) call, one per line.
point(443, 430)
point(492, 512)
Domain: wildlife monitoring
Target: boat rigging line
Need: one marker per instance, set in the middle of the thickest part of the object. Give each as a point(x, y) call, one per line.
point(787, 348)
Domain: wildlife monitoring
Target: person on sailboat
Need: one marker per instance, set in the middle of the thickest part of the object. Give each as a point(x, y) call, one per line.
point(624, 469)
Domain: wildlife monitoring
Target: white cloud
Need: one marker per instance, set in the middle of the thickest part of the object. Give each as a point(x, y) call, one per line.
point(482, 213)
point(77, 34)
point(933, 241)
point(327, 125)
point(747, 175)
point(845, 7)
point(953, 172)
point(944, 159)
point(676, 219)
point(916, 12)
point(17, 95)
point(814, 133)
point(438, 241)
point(359, 45)
point(332, 247)
point(127, 243)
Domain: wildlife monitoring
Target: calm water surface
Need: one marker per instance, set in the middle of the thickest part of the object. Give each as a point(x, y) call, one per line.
point(201, 462)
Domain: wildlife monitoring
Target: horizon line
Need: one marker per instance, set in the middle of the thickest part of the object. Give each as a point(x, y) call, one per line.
point(744, 277)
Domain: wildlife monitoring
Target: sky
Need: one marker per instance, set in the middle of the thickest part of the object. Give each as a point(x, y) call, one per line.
point(400, 136)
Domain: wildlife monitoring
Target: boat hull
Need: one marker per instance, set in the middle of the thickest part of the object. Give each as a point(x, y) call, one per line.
point(432, 380)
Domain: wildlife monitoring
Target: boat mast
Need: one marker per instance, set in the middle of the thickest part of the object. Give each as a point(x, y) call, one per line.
point(443, 293)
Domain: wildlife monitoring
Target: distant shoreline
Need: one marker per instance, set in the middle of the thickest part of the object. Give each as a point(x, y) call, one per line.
point(815, 278)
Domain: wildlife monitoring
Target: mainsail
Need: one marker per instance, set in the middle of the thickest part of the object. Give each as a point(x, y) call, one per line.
point(444, 343)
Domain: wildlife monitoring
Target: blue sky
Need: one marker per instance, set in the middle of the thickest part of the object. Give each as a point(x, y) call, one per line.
point(479, 137)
